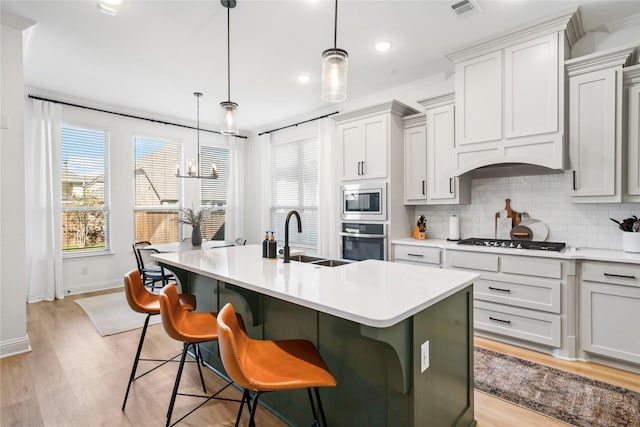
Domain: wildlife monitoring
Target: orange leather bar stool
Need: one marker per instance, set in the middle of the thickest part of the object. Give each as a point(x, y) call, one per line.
point(190, 328)
point(262, 366)
point(142, 301)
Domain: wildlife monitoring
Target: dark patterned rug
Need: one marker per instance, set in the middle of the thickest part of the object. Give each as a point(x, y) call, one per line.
point(564, 396)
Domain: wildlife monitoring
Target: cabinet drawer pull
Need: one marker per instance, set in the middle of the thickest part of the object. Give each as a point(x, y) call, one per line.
point(574, 180)
point(450, 185)
point(500, 320)
point(499, 289)
point(423, 185)
point(418, 255)
point(622, 276)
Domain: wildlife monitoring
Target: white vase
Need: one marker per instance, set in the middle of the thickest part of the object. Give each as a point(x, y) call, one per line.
point(630, 241)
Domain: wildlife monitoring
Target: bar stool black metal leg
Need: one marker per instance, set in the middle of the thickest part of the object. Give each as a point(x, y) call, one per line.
point(252, 422)
point(313, 407)
point(196, 352)
point(245, 397)
point(177, 383)
point(324, 419)
point(135, 361)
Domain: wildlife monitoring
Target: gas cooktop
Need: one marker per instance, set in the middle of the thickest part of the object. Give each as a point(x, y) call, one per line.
point(515, 244)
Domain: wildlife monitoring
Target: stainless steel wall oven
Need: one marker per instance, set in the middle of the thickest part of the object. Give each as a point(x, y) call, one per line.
point(363, 241)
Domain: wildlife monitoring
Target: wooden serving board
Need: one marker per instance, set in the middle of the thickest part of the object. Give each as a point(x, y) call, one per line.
point(516, 217)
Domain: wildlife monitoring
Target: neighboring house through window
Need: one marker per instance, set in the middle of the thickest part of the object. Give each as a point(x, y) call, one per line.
point(157, 190)
point(85, 190)
point(294, 186)
point(213, 192)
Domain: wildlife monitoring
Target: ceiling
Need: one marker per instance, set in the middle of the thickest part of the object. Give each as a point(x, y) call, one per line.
point(153, 55)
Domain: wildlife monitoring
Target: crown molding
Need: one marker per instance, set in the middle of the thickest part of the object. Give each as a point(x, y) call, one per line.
point(15, 21)
point(631, 75)
point(419, 119)
point(394, 107)
point(552, 24)
point(617, 57)
point(438, 101)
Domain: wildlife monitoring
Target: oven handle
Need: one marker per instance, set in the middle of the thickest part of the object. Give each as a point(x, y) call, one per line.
point(369, 236)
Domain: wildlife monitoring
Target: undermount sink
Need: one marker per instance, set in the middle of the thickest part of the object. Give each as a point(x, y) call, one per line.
point(318, 260)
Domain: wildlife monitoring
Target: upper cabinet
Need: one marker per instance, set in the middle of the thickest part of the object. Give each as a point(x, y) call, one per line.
point(510, 98)
point(365, 140)
point(429, 142)
point(632, 102)
point(595, 125)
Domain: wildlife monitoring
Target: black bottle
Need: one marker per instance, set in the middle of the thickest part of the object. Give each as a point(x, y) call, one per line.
point(265, 242)
point(272, 247)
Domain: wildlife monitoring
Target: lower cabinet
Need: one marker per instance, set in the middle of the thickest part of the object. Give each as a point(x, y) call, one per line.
point(523, 300)
point(610, 310)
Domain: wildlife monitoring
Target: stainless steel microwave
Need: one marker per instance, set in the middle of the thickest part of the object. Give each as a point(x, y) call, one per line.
point(364, 201)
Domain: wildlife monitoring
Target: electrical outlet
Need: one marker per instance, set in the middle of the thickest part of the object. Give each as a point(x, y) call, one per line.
point(424, 356)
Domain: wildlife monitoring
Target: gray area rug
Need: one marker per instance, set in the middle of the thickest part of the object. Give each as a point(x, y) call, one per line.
point(564, 396)
point(111, 314)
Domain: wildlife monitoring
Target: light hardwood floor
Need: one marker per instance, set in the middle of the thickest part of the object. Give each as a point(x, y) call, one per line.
point(74, 377)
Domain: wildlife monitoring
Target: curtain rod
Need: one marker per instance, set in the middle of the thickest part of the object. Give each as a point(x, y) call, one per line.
point(299, 123)
point(126, 115)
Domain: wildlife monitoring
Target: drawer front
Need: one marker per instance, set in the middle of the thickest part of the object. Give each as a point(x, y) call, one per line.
point(532, 266)
point(473, 260)
point(533, 326)
point(417, 254)
point(537, 294)
point(614, 273)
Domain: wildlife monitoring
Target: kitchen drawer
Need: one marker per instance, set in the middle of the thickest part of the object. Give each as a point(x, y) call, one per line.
point(537, 294)
point(532, 266)
point(417, 254)
point(473, 260)
point(529, 325)
point(609, 272)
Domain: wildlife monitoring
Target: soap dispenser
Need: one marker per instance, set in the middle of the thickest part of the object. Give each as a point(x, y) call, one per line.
point(265, 243)
point(272, 247)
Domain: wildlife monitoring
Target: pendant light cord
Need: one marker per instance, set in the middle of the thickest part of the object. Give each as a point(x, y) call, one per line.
point(335, 27)
point(229, 55)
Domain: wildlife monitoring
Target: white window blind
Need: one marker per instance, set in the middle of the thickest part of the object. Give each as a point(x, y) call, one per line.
point(85, 190)
point(294, 186)
point(157, 190)
point(213, 192)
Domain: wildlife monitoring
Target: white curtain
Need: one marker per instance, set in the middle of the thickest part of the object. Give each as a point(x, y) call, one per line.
point(264, 156)
point(234, 216)
point(43, 209)
point(328, 191)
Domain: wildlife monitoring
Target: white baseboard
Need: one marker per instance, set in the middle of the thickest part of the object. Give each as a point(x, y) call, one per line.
point(14, 346)
point(92, 287)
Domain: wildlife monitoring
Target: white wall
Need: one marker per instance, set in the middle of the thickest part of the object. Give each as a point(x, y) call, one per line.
point(13, 314)
point(95, 272)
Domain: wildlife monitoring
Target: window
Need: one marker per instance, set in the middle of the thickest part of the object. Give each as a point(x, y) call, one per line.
point(157, 190)
point(85, 190)
point(294, 185)
point(213, 192)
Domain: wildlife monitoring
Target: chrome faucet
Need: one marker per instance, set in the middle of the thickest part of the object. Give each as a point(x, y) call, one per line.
point(286, 233)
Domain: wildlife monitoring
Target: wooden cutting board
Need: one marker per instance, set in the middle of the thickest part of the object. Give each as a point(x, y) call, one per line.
point(516, 217)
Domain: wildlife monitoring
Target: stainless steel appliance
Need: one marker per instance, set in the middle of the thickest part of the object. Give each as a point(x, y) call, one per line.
point(514, 244)
point(364, 201)
point(363, 241)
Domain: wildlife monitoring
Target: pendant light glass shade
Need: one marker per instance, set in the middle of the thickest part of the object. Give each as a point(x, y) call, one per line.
point(229, 118)
point(335, 67)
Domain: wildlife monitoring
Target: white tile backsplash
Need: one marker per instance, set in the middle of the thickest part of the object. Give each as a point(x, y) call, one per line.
point(543, 197)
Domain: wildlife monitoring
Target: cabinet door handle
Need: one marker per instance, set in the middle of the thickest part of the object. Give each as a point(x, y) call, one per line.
point(423, 187)
point(418, 255)
point(574, 180)
point(451, 185)
point(622, 276)
point(362, 167)
point(359, 173)
point(499, 289)
point(508, 322)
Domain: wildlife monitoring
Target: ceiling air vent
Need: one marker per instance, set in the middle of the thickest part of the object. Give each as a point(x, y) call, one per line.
point(465, 8)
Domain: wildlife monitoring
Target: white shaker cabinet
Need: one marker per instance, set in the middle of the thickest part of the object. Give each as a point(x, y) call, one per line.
point(610, 308)
point(363, 145)
point(415, 159)
point(632, 96)
point(595, 126)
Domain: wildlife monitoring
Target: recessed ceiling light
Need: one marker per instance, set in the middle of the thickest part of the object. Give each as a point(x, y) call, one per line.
point(107, 10)
point(383, 46)
point(304, 78)
point(113, 2)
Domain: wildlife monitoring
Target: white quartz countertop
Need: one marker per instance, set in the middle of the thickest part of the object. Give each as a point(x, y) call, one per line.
point(587, 254)
point(373, 293)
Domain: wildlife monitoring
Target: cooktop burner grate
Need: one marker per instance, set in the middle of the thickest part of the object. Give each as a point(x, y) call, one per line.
point(514, 244)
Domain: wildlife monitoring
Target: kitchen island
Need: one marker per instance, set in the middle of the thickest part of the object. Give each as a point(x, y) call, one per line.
point(375, 323)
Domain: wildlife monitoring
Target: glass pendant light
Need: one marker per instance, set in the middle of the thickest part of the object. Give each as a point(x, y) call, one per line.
point(335, 64)
point(229, 116)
